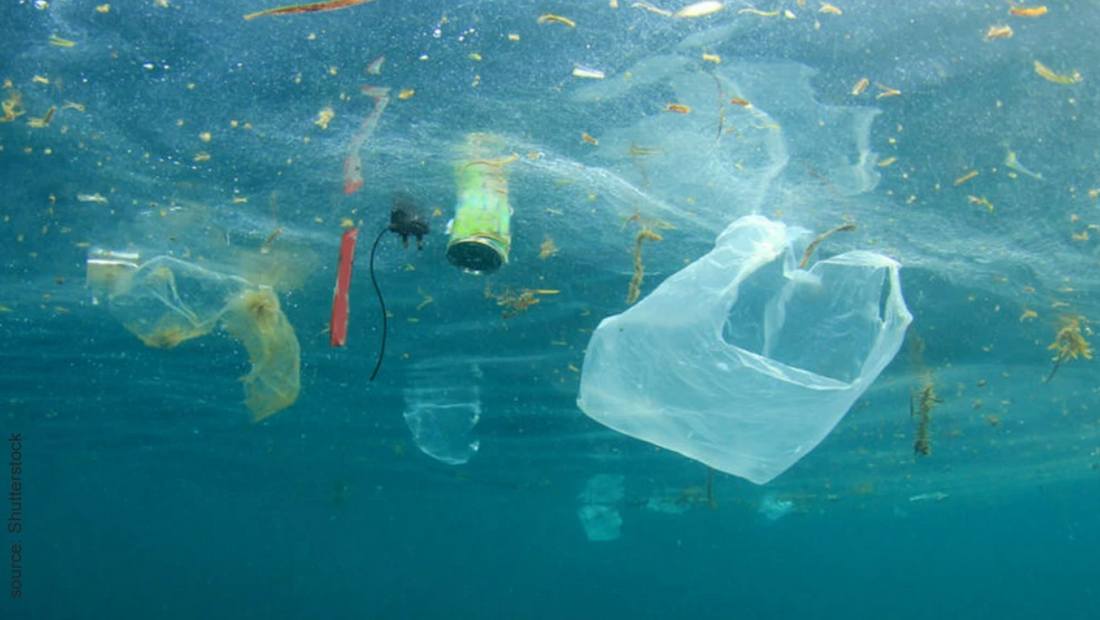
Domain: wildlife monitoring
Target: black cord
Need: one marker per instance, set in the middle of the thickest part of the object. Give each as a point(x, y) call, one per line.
point(381, 302)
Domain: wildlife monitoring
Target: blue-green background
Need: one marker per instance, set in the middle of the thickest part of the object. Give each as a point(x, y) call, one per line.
point(149, 493)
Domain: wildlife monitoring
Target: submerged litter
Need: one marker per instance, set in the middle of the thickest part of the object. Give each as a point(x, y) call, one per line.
point(742, 360)
point(166, 301)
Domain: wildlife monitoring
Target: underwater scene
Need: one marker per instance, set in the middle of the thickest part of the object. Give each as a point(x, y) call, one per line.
point(550, 309)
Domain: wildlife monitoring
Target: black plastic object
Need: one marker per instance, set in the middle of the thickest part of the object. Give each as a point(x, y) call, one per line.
point(406, 219)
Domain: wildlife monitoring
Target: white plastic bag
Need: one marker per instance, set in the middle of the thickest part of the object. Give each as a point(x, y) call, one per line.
point(741, 360)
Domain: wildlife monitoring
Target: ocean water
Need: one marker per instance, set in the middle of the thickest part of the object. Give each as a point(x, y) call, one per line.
point(167, 169)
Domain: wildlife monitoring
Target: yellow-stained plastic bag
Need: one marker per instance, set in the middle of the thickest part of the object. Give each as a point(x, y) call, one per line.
point(255, 318)
point(165, 301)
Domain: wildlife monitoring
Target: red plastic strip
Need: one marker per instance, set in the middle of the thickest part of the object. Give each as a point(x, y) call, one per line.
point(353, 166)
point(338, 330)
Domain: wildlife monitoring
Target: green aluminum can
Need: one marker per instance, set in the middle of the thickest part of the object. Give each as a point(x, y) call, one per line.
point(481, 231)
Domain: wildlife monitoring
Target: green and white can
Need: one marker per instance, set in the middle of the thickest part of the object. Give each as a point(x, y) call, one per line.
point(481, 232)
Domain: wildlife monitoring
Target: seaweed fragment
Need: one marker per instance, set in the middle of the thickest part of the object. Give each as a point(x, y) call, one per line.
point(516, 302)
point(922, 400)
point(817, 241)
point(926, 400)
point(1070, 343)
point(645, 234)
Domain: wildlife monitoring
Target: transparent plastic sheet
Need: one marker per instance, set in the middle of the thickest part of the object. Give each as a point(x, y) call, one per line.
point(732, 159)
point(741, 360)
point(442, 407)
point(165, 301)
point(696, 172)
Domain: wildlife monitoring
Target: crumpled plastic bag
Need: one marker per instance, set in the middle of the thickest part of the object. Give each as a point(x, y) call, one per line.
point(741, 360)
point(255, 318)
point(166, 301)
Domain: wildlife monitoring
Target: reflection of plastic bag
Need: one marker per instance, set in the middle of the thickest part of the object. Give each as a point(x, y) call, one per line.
point(256, 319)
point(742, 361)
point(599, 510)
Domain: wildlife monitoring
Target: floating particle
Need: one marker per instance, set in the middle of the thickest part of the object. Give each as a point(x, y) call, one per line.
point(547, 248)
point(966, 177)
point(1047, 74)
point(585, 72)
point(406, 93)
point(1023, 11)
point(886, 91)
point(699, 9)
point(59, 42)
point(652, 9)
point(375, 66)
point(550, 18)
point(981, 202)
point(13, 107)
point(998, 32)
point(1013, 162)
point(316, 7)
point(751, 11)
point(44, 121)
point(324, 117)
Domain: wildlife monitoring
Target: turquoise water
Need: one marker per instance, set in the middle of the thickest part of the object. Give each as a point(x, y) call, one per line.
point(466, 481)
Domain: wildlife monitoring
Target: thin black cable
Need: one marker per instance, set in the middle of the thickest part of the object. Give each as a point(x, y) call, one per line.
point(381, 302)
